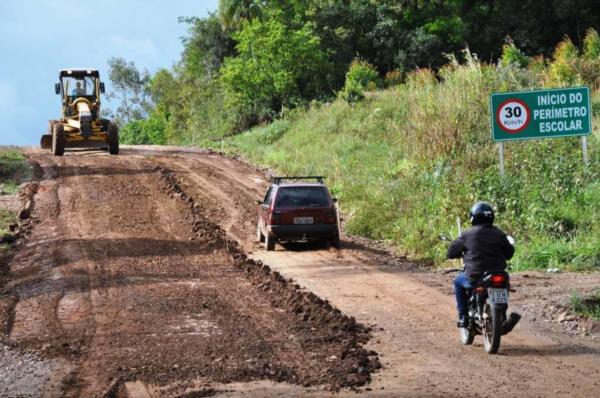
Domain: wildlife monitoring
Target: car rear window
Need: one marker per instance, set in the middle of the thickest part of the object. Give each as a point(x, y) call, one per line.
point(302, 197)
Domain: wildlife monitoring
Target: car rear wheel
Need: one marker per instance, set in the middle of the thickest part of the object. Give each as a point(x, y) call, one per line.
point(259, 235)
point(269, 242)
point(335, 241)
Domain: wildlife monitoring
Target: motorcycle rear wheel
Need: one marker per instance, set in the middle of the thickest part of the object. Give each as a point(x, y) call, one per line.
point(492, 330)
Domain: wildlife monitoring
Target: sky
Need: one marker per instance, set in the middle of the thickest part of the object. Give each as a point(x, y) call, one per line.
point(39, 37)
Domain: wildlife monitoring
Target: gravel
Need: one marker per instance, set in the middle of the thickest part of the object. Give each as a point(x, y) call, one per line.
point(23, 374)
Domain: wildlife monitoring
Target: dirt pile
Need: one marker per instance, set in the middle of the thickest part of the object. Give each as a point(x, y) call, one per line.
point(316, 320)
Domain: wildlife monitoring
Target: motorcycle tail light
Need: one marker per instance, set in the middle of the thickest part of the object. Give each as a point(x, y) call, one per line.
point(498, 280)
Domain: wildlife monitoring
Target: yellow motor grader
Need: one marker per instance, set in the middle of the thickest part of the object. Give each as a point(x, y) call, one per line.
point(80, 125)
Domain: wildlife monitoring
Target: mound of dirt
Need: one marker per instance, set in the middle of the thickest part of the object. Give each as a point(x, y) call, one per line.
point(316, 319)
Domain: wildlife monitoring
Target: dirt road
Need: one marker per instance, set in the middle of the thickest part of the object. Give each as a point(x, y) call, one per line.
point(127, 286)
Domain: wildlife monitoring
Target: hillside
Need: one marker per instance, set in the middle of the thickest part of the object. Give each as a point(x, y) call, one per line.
point(407, 161)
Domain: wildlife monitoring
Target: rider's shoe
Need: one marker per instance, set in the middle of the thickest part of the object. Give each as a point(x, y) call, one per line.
point(463, 321)
point(511, 322)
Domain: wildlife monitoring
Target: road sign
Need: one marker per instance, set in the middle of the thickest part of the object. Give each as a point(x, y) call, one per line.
point(541, 114)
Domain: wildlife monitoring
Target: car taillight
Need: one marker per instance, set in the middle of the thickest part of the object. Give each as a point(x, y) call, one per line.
point(275, 218)
point(498, 280)
point(330, 214)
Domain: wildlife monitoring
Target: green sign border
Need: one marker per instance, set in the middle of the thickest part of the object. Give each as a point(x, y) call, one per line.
point(493, 113)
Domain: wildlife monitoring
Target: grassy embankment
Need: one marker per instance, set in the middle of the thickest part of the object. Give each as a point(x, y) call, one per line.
point(13, 171)
point(407, 161)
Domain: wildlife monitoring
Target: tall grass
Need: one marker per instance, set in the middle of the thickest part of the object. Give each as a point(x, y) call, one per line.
point(406, 161)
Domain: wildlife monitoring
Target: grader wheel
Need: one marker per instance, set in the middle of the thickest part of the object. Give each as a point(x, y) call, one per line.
point(58, 139)
point(113, 139)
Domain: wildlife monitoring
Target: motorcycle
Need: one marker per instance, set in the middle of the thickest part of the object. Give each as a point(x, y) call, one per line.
point(487, 309)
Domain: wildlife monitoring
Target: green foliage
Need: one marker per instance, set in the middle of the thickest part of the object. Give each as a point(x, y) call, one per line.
point(591, 45)
point(512, 55)
point(130, 90)
point(360, 77)
point(14, 169)
point(6, 218)
point(205, 47)
point(563, 69)
point(266, 75)
point(233, 13)
point(588, 306)
point(151, 130)
point(569, 67)
point(291, 52)
point(410, 160)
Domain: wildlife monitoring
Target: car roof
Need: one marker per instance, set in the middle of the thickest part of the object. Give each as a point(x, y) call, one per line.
point(300, 184)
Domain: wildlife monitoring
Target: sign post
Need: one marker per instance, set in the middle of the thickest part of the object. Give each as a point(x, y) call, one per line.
point(541, 114)
point(586, 162)
point(501, 156)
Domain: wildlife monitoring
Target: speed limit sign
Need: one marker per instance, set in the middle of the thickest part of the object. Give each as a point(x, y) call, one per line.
point(513, 115)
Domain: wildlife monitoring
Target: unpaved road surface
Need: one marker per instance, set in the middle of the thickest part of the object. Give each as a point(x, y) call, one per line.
point(130, 283)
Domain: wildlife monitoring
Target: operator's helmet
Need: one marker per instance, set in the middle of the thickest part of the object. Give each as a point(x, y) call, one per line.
point(481, 213)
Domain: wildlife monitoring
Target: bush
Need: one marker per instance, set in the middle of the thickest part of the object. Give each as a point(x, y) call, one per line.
point(145, 132)
point(512, 55)
point(591, 45)
point(361, 76)
point(393, 78)
point(563, 69)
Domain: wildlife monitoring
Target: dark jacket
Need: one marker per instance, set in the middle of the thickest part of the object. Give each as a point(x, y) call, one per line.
point(483, 248)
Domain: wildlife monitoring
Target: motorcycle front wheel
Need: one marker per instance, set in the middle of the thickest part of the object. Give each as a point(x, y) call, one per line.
point(492, 328)
point(466, 335)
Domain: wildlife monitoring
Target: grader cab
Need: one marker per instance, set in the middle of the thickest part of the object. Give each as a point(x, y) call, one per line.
point(80, 125)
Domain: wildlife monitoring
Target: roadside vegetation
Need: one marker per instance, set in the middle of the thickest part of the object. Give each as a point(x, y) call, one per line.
point(587, 306)
point(407, 161)
point(401, 131)
point(13, 171)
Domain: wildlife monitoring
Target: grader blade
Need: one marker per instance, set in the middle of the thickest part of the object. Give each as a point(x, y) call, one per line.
point(46, 142)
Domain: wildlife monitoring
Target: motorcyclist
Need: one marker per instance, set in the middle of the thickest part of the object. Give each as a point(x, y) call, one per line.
point(483, 248)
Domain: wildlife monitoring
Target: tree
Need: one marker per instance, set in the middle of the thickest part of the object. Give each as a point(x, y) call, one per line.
point(206, 46)
point(276, 66)
point(130, 90)
point(233, 13)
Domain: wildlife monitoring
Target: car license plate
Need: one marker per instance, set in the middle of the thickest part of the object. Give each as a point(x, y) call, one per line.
point(303, 220)
point(498, 296)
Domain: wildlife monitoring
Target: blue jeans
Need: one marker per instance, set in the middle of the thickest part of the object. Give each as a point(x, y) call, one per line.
point(461, 285)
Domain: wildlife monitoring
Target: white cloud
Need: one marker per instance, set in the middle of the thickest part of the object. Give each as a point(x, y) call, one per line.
point(131, 48)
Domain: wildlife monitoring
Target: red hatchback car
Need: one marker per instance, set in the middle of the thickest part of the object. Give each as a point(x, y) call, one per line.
point(294, 210)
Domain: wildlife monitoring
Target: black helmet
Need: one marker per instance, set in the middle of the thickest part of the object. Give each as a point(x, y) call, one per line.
point(481, 213)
